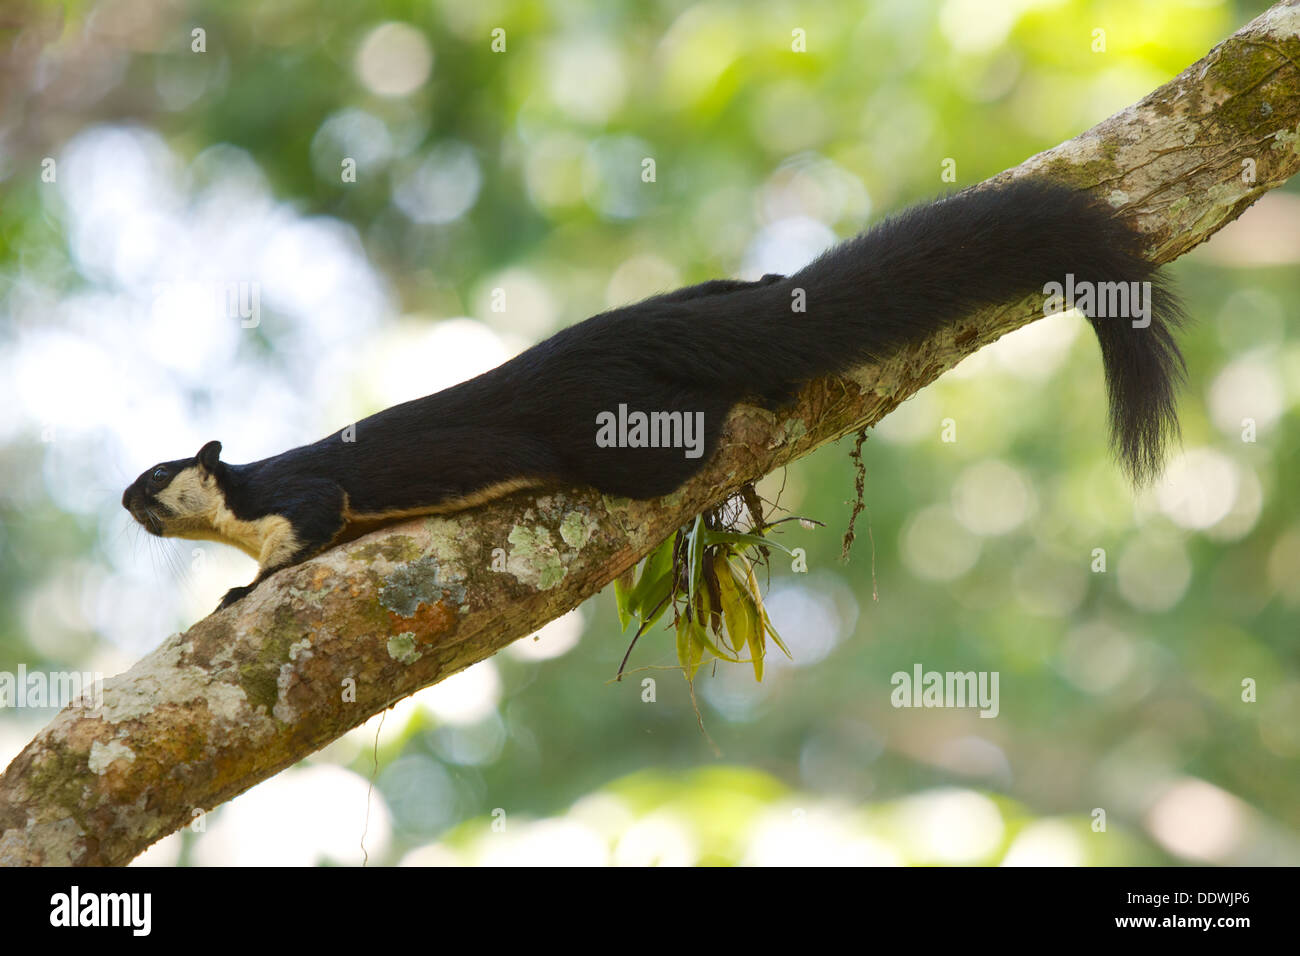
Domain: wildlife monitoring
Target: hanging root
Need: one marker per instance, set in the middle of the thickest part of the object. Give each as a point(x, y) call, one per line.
point(859, 505)
point(859, 486)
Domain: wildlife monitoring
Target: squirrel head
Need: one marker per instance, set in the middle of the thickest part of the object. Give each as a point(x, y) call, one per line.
point(179, 498)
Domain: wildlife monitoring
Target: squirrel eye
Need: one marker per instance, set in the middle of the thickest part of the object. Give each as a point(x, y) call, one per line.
point(160, 474)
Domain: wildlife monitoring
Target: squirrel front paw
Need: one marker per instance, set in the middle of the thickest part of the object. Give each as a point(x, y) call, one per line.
point(233, 595)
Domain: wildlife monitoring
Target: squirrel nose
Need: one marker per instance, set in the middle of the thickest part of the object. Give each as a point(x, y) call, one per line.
point(126, 499)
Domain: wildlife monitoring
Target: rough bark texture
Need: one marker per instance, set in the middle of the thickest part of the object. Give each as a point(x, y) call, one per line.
point(251, 690)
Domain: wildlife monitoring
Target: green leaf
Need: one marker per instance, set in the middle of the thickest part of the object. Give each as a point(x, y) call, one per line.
point(659, 561)
point(652, 568)
point(655, 601)
point(684, 647)
point(740, 538)
point(648, 597)
point(621, 600)
point(741, 616)
point(762, 611)
point(767, 626)
point(695, 558)
point(701, 635)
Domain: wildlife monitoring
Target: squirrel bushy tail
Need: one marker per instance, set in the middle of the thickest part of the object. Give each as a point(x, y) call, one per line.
point(934, 264)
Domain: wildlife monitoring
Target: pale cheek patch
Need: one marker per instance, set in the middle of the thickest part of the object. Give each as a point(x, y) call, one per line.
point(187, 494)
point(190, 500)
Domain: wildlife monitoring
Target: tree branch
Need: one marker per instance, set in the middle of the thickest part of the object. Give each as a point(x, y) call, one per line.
point(249, 691)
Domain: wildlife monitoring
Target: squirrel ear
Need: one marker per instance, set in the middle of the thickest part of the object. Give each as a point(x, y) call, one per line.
point(209, 456)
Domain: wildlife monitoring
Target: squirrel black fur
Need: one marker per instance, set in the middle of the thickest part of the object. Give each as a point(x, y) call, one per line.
point(534, 419)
